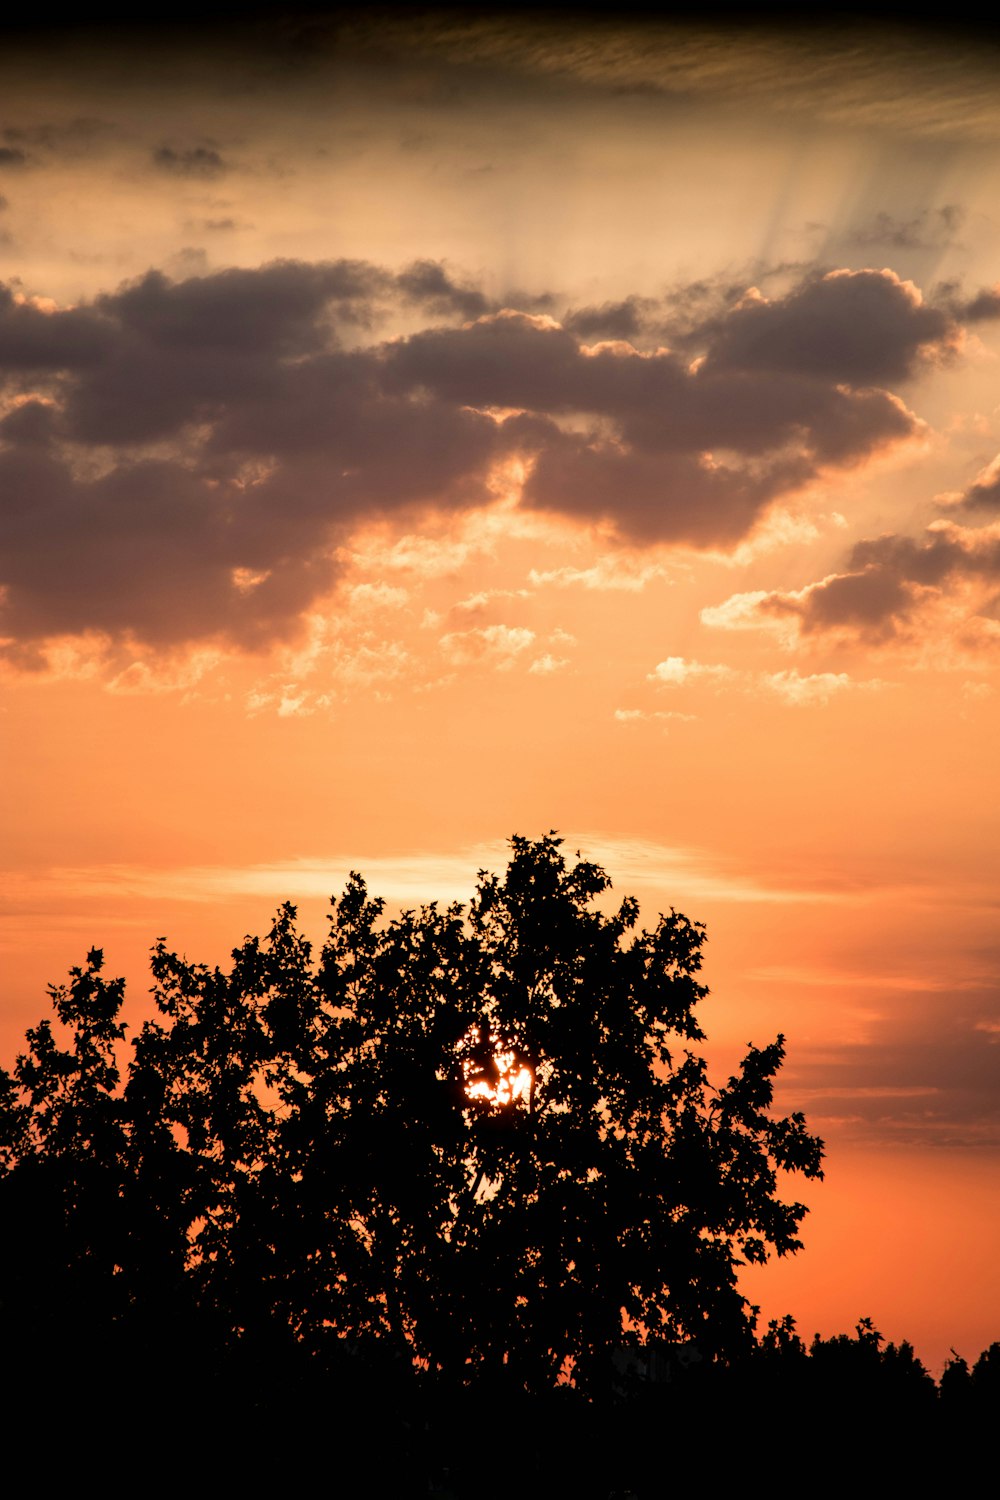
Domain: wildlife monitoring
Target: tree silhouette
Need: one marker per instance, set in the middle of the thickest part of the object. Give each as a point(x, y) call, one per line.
point(478, 1139)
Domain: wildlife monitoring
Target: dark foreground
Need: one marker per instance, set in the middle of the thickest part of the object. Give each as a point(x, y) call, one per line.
point(161, 1414)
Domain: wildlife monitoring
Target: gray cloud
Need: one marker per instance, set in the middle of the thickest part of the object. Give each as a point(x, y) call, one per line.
point(72, 138)
point(931, 229)
point(30, 424)
point(929, 1071)
point(428, 283)
point(214, 226)
point(658, 401)
point(661, 496)
point(984, 306)
point(984, 491)
point(863, 327)
point(887, 580)
point(280, 420)
point(629, 319)
point(35, 341)
point(190, 161)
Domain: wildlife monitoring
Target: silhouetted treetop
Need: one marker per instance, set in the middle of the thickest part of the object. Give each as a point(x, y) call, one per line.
point(477, 1137)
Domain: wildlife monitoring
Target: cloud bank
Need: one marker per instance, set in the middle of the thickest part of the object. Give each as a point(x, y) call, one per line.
point(181, 458)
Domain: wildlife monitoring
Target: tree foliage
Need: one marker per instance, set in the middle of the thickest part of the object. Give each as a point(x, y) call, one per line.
point(476, 1137)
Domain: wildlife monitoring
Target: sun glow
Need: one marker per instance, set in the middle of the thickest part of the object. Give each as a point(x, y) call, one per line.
point(503, 1080)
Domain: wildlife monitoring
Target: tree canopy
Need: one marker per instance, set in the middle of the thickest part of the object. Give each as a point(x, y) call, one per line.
point(478, 1138)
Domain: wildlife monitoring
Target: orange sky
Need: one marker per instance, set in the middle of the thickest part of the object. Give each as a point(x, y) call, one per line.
point(528, 427)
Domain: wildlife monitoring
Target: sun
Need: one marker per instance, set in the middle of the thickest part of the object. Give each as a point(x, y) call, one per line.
point(494, 1073)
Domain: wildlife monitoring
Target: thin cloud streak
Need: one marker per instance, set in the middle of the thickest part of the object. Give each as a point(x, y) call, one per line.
point(635, 865)
point(879, 76)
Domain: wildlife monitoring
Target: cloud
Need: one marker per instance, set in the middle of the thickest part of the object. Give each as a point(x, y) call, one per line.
point(676, 672)
point(800, 691)
point(930, 229)
point(203, 162)
point(863, 327)
point(475, 606)
point(745, 612)
point(788, 686)
point(977, 690)
point(247, 422)
point(376, 597)
point(68, 138)
point(647, 458)
point(924, 1072)
point(497, 646)
point(614, 572)
point(13, 156)
point(223, 225)
point(149, 549)
point(545, 665)
point(888, 583)
point(984, 491)
point(850, 76)
point(141, 678)
point(628, 319)
point(642, 715)
point(662, 874)
point(36, 339)
point(657, 497)
point(415, 555)
point(429, 284)
point(336, 658)
point(981, 308)
point(746, 395)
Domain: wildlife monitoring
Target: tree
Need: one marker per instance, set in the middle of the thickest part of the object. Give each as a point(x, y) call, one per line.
point(475, 1138)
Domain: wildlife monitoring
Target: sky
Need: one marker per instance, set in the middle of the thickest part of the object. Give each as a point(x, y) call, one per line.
point(422, 428)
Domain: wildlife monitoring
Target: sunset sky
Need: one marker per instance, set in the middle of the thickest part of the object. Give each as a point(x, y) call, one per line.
point(420, 430)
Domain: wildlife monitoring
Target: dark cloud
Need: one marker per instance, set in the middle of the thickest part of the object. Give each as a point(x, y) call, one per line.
point(983, 307)
point(656, 402)
point(931, 229)
point(13, 156)
point(888, 579)
point(147, 550)
point(862, 327)
point(214, 347)
point(73, 137)
point(684, 316)
point(169, 353)
point(280, 420)
point(30, 423)
point(155, 549)
point(510, 360)
point(657, 496)
point(628, 319)
point(33, 340)
point(427, 282)
point(928, 1072)
point(190, 161)
point(984, 491)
